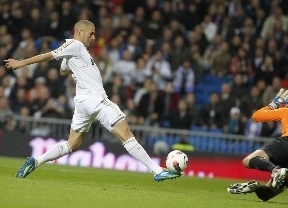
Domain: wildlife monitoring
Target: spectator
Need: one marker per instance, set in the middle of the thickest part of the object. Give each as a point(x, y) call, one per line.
point(192, 17)
point(167, 12)
point(123, 29)
point(132, 45)
point(239, 87)
point(56, 108)
point(39, 102)
point(5, 12)
point(53, 30)
point(26, 39)
point(259, 20)
point(266, 70)
point(183, 145)
point(24, 126)
point(241, 63)
point(10, 123)
point(193, 107)
point(250, 102)
point(198, 66)
point(35, 23)
point(184, 79)
point(209, 28)
point(140, 71)
point(271, 21)
point(126, 68)
point(258, 58)
point(159, 69)
point(116, 86)
point(220, 61)
point(234, 124)
point(198, 38)
point(68, 16)
point(154, 27)
point(271, 90)
point(180, 51)
point(211, 50)
point(252, 128)
point(141, 90)
point(131, 112)
point(54, 83)
point(180, 118)
point(5, 109)
point(17, 19)
point(227, 99)
point(19, 101)
point(7, 83)
point(151, 105)
point(176, 27)
point(139, 17)
point(226, 30)
point(105, 65)
point(114, 49)
point(211, 114)
point(270, 129)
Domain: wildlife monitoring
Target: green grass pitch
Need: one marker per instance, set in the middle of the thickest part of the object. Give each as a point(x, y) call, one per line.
point(56, 186)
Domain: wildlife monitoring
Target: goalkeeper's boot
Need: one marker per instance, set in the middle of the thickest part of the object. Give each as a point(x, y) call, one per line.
point(278, 177)
point(166, 174)
point(26, 168)
point(243, 188)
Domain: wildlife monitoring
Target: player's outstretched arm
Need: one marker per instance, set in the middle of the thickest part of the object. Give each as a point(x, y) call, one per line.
point(13, 64)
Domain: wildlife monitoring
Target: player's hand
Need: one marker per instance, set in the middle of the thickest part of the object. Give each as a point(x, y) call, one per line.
point(280, 100)
point(13, 64)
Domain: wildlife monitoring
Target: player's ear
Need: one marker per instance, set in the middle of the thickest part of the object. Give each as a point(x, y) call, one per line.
point(79, 33)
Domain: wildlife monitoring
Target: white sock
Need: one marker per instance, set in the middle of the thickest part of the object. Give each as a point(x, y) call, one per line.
point(138, 152)
point(55, 152)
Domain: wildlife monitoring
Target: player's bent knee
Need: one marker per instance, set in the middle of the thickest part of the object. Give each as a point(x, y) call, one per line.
point(245, 162)
point(122, 131)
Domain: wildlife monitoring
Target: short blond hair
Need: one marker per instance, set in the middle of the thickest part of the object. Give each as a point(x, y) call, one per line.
point(81, 24)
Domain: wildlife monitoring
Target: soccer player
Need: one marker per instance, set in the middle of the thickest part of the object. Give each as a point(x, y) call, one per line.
point(273, 157)
point(91, 103)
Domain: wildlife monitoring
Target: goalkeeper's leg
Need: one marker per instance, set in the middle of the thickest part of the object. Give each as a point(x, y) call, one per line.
point(266, 192)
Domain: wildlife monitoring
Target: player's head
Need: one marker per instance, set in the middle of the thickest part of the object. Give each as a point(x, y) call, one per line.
point(84, 31)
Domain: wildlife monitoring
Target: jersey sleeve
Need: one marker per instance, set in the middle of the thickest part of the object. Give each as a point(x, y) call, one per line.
point(266, 114)
point(64, 64)
point(67, 50)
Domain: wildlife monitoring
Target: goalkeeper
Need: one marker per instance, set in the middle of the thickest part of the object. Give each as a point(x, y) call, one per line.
point(273, 157)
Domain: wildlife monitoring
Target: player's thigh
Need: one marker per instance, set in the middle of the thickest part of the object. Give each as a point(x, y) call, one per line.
point(109, 114)
point(83, 116)
point(259, 153)
point(277, 150)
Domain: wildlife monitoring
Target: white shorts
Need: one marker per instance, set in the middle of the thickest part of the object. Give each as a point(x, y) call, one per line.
point(95, 108)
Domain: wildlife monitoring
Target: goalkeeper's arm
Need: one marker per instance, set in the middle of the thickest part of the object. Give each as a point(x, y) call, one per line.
point(280, 100)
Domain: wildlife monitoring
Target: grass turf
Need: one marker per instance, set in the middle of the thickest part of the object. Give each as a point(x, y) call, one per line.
point(65, 186)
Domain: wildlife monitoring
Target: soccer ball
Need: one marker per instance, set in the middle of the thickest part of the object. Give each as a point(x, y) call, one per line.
point(176, 161)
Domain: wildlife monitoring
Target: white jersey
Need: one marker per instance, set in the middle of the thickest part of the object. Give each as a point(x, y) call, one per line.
point(77, 59)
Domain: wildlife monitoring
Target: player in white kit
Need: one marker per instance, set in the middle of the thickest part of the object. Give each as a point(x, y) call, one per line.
point(91, 103)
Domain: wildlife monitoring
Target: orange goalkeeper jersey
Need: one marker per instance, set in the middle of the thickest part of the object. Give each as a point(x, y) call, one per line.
point(266, 114)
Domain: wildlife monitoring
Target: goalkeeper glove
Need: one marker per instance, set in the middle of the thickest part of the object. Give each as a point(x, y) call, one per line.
point(280, 99)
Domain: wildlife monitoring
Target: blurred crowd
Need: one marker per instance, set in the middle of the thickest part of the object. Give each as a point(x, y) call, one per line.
point(152, 54)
